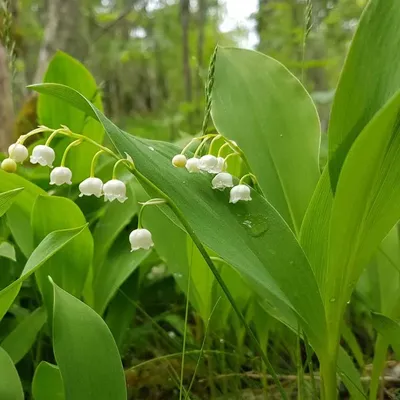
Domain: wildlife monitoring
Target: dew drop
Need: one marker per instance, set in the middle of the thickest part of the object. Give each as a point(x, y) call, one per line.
point(177, 275)
point(332, 300)
point(348, 302)
point(221, 340)
point(151, 148)
point(255, 225)
point(280, 135)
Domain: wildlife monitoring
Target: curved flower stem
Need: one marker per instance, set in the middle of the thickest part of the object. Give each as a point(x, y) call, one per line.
point(215, 138)
point(226, 144)
point(142, 179)
point(39, 129)
point(252, 176)
point(120, 161)
point(54, 134)
point(203, 142)
point(93, 164)
point(69, 147)
point(193, 140)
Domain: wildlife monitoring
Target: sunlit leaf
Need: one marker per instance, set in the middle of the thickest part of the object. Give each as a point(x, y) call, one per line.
point(369, 79)
point(258, 103)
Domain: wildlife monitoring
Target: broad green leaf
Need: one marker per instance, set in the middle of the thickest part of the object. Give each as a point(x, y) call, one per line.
point(314, 231)
point(53, 113)
point(7, 198)
point(19, 215)
point(47, 383)
point(7, 250)
point(389, 329)
point(369, 79)
point(50, 245)
point(365, 207)
point(85, 351)
point(252, 237)
point(21, 339)
point(350, 376)
point(70, 266)
point(178, 252)
point(117, 267)
point(10, 384)
point(258, 103)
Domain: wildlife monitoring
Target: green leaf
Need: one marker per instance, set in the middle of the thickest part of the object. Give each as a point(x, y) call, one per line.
point(10, 384)
point(389, 329)
point(52, 243)
point(53, 113)
point(7, 250)
point(19, 215)
point(266, 253)
point(7, 198)
point(21, 339)
point(369, 79)
point(118, 266)
point(350, 375)
point(369, 177)
point(314, 233)
point(85, 351)
point(47, 383)
point(70, 266)
point(263, 107)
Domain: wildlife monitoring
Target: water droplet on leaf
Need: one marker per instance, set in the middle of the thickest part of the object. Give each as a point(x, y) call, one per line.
point(177, 275)
point(332, 300)
point(255, 225)
point(151, 148)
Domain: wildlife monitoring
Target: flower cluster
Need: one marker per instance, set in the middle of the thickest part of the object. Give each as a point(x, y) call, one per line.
point(44, 155)
point(217, 165)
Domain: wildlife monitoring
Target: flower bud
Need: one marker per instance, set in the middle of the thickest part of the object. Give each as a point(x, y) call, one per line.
point(192, 165)
point(140, 239)
point(43, 155)
point(222, 180)
point(91, 186)
point(239, 192)
point(114, 189)
point(179, 161)
point(9, 165)
point(18, 152)
point(60, 175)
point(208, 163)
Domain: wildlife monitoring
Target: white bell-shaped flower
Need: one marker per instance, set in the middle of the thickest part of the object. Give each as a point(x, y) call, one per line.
point(140, 239)
point(18, 152)
point(179, 161)
point(192, 165)
point(60, 175)
point(208, 163)
point(219, 167)
point(91, 186)
point(114, 189)
point(43, 155)
point(222, 180)
point(9, 165)
point(239, 192)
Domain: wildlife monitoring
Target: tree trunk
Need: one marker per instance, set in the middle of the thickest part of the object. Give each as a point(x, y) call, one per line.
point(6, 102)
point(187, 74)
point(61, 33)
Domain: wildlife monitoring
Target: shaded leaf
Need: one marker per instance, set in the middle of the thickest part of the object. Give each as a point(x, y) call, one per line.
point(10, 384)
point(47, 383)
point(85, 351)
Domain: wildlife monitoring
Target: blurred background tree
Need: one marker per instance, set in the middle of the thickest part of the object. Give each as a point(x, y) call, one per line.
point(150, 56)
